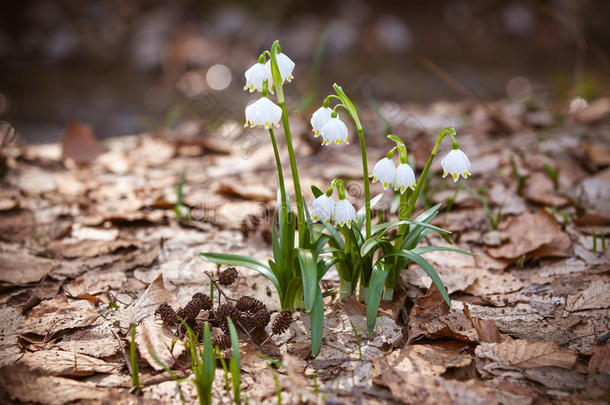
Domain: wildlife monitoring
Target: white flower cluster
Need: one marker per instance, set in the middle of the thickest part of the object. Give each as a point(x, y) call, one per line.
point(264, 112)
point(456, 163)
point(399, 177)
point(324, 209)
point(332, 129)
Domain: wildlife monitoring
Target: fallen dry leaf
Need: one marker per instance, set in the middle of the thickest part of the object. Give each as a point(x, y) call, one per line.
point(600, 360)
point(79, 143)
point(597, 295)
point(20, 268)
point(97, 341)
point(9, 345)
point(151, 334)
point(540, 190)
point(52, 316)
point(96, 281)
point(533, 235)
point(90, 247)
point(523, 354)
point(17, 225)
point(67, 364)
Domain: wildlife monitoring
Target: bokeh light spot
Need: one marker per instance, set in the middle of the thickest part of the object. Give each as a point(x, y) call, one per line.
point(218, 77)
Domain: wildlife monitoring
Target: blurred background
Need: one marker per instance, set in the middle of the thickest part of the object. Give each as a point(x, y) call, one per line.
point(129, 66)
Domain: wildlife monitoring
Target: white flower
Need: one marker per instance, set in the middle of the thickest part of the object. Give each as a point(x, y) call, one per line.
point(404, 178)
point(384, 172)
point(334, 131)
point(284, 64)
point(456, 163)
point(320, 118)
point(255, 76)
point(344, 213)
point(263, 112)
point(322, 208)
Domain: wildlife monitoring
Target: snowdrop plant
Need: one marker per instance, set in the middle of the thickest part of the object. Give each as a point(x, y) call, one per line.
point(305, 246)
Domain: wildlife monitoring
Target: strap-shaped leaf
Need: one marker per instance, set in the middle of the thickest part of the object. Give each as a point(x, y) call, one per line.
point(309, 274)
point(240, 260)
point(361, 214)
point(235, 363)
point(317, 323)
point(427, 267)
point(376, 284)
point(420, 250)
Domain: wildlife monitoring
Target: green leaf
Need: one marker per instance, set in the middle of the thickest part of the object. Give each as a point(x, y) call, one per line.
point(361, 214)
point(335, 235)
point(240, 260)
point(376, 284)
point(317, 323)
point(370, 244)
point(309, 273)
point(325, 264)
point(427, 267)
point(316, 191)
point(235, 363)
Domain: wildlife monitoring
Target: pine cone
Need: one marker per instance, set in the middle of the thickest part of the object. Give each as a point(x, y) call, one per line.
point(189, 312)
point(249, 304)
point(198, 329)
point(282, 322)
point(247, 322)
point(167, 313)
point(222, 341)
point(228, 276)
point(224, 311)
point(202, 300)
point(261, 318)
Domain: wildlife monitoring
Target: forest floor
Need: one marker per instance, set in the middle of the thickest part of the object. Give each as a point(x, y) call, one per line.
point(89, 244)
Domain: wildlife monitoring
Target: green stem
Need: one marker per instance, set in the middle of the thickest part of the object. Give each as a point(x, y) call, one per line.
point(295, 175)
point(422, 178)
point(280, 175)
point(367, 192)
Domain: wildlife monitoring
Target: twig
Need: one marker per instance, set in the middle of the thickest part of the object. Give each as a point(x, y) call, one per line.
point(127, 361)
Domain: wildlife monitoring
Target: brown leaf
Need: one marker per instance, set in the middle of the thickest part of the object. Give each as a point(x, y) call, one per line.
point(17, 225)
point(79, 143)
point(152, 334)
point(540, 190)
point(90, 247)
point(600, 361)
point(595, 155)
point(20, 268)
point(67, 364)
point(430, 317)
point(24, 385)
point(523, 354)
point(597, 295)
point(54, 315)
point(413, 377)
point(533, 235)
point(9, 345)
point(97, 342)
point(592, 113)
point(96, 281)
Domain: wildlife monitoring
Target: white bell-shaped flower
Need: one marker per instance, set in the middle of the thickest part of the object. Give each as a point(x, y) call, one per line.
point(323, 208)
point(255, 76)
point(285, 66)
point(383, 172)
point(456, 163)
point(344, 213)
point(404, 177)
point(263, 112)
point(320, 118)
point(334, 131)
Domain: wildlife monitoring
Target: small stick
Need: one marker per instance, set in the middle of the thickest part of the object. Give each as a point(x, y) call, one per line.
point(127, 361)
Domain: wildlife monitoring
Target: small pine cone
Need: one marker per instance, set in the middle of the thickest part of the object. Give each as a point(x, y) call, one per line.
point(261, 318)
point(225, 310)
point(167, 313)
point(247, 322)
point(222, 341)
point(202, 300)
point(198, 329)
point(245, 303)
point(228, 276)
point(282, 322)
point(190, 311)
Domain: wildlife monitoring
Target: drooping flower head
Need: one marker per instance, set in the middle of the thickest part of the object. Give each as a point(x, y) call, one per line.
point(323, 208)
point(384, 172)
point(344, 213)
point(320, 118)
point(263, 112)
point(255, 76)
point(456, 163)
point(334, 131)
point(403, 178)
point(285, 66)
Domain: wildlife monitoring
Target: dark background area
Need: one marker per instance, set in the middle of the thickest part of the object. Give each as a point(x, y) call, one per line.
point(127, 66)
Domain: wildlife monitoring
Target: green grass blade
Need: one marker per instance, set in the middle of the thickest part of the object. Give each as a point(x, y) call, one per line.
point(135, 369)
point(425, 249)
point(235, 363)
point(209, 363)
